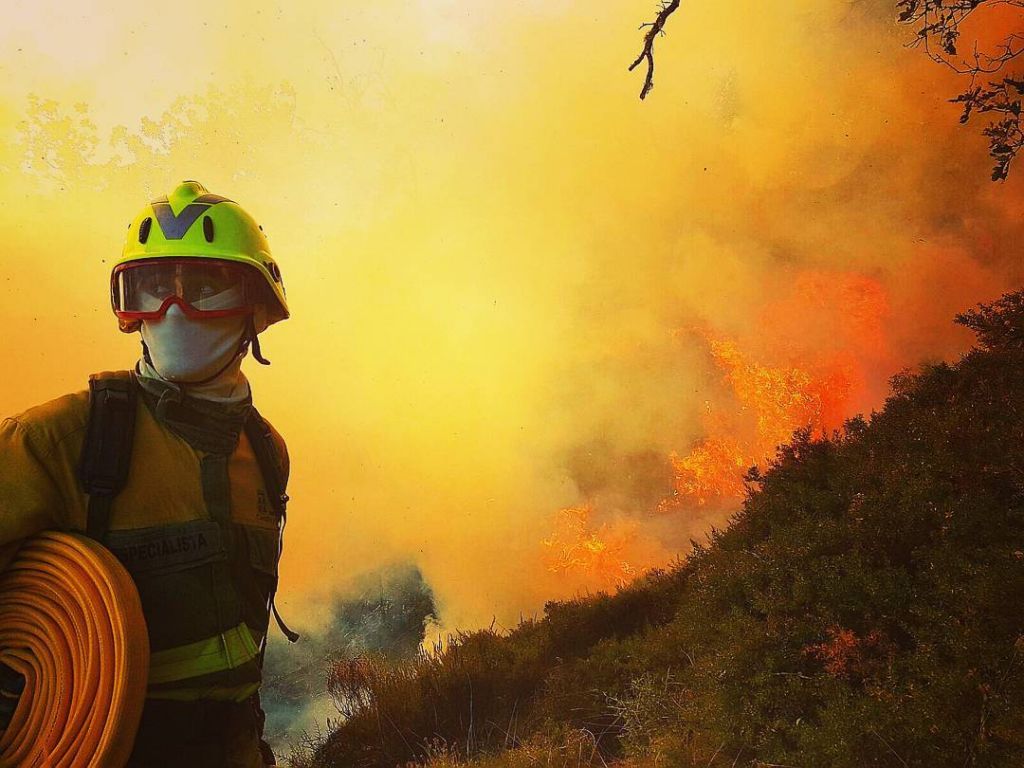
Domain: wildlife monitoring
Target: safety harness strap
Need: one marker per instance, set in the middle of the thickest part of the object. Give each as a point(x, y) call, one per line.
point(265, 449)
point(263, 446)
point(107, 451)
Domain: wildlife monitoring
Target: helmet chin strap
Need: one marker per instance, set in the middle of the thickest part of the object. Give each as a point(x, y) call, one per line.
point(255, 339)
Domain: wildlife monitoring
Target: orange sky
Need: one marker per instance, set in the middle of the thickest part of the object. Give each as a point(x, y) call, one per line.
point(505, 270)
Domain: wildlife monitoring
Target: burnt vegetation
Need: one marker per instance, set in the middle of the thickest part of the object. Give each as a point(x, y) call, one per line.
point(863, 608)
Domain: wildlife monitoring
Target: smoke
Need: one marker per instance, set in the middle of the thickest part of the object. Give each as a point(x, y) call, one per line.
point(386, 611)
point(516, 289)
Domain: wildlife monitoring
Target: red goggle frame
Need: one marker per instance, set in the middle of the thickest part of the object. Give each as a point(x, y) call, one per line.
point(203, 288)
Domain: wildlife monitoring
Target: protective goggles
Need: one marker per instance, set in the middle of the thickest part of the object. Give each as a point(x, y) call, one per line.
point(205, 288)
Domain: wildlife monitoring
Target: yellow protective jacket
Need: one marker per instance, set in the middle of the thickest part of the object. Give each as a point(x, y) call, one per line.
point(195, 527)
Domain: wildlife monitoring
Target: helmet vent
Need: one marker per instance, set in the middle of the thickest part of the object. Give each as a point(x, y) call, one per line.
point(208, 229)
point(144, 229)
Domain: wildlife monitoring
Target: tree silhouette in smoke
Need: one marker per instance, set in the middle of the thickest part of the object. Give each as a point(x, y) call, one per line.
point(944, 29)
point(940, 25)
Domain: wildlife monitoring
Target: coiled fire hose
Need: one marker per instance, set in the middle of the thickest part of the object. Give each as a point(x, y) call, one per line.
point(71, 623)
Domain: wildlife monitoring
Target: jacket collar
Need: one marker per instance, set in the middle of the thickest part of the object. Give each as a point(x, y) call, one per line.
point(207, 425)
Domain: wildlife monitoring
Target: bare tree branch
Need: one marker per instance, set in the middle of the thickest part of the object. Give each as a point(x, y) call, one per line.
point(655, 28)
point(938, 24)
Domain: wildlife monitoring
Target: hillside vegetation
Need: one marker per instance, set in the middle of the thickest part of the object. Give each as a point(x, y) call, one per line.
point(864, 608)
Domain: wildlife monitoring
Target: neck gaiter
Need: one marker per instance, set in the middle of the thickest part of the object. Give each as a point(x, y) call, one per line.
point(186, 350)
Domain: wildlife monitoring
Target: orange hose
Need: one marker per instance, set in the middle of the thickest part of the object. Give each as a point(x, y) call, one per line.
point(71, 623)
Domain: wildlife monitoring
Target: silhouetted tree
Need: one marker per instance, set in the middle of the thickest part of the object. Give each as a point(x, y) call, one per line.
point(993, 87)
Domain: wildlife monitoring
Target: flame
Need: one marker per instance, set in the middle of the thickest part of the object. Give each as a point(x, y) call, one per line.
point(712, 470)
point(577, 544)
point(780, 398)
point(772, 401)
point(768, 403)
point(818, 344)
point(827, 335)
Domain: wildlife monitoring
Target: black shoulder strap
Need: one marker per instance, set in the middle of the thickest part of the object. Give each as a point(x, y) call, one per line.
point(262, 441)
point(107, 451)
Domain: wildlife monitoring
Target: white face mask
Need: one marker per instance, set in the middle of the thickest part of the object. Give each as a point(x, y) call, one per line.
point(185, 350)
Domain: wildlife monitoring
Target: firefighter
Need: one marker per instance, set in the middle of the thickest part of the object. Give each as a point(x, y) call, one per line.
point(172, 468)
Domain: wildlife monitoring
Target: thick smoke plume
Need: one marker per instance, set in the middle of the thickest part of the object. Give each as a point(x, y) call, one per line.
point(540, 329)
point(387, 611)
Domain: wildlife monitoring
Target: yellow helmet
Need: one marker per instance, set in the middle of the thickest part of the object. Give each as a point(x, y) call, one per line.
point(192, 223)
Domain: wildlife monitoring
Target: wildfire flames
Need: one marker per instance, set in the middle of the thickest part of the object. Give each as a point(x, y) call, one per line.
point(759, 406)
point(598, 550)
point(773, 401)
